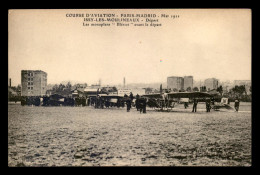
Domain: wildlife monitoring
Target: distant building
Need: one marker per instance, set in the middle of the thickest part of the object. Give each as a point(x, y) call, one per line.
point(10, 84)
point(79, 92)
point(211, 83)
point(81, 85)
point(122, 92)
point(197, 83)
point(149, 90)
point(188, 82)
point(33, 82)
point(174, 82)
point(139, 91)
point(226, 85)
point(94, 86)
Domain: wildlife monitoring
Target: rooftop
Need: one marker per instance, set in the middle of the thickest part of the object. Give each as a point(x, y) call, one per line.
point(33, 71)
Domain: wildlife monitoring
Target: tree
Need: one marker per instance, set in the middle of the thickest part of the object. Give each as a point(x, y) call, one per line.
point(77, 85)
point(175, 90)
point(196, 89)
point(104, 90)
point(55, 87)
point(68, 85)
point(167, 90)
point(148, 90)
point(156, 91)
point(181, 90)
point(243, 89)
point(19, 88)
point(220, 90)
point(188, 89)
point(61, 87)
point(239, 90)
point(203, 89)
point(58, 88)
point(114, 89)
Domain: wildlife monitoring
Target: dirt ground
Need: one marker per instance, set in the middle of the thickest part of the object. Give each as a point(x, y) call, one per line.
point(84, 136)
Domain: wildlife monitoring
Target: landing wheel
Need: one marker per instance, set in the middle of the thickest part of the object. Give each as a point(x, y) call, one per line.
point(215, 108)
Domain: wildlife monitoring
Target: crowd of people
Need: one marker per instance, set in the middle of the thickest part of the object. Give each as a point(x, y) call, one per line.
point(100, 102)
point(52, 101)
point(140, 104)
point(209, 103)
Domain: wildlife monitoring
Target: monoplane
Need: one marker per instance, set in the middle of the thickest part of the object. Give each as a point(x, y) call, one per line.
point(162, 101)
point(223, 104)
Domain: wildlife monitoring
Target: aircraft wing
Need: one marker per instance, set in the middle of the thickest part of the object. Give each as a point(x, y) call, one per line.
point(228, 107)
point(188, 95)
point(223, 106)
point(105, 96)
point(157, 95)
point(109, 96)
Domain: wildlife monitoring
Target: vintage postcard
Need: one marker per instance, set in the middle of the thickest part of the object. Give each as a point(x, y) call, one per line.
point(129, 87)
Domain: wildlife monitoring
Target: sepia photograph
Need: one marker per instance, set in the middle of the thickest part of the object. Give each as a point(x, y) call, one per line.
point(129, 87)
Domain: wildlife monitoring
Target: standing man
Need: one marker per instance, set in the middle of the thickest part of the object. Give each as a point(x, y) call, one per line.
point(128, 104)
point(131, 96)
point(98, 102)
point(236, 104)
point(195, 102)
point(208, 105)
point(107, 103)
point(141, 104)
point(101, 103)
point(186, 105)
point(137, 102)
point(144, 106)
point(118, 103)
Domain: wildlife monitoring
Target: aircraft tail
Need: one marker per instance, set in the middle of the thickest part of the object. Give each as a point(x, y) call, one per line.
point(228, 107)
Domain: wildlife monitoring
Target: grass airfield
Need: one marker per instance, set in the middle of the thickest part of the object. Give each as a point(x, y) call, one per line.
point(84, 136)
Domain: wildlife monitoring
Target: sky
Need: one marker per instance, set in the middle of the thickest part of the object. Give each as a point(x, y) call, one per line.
point(202, 43)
